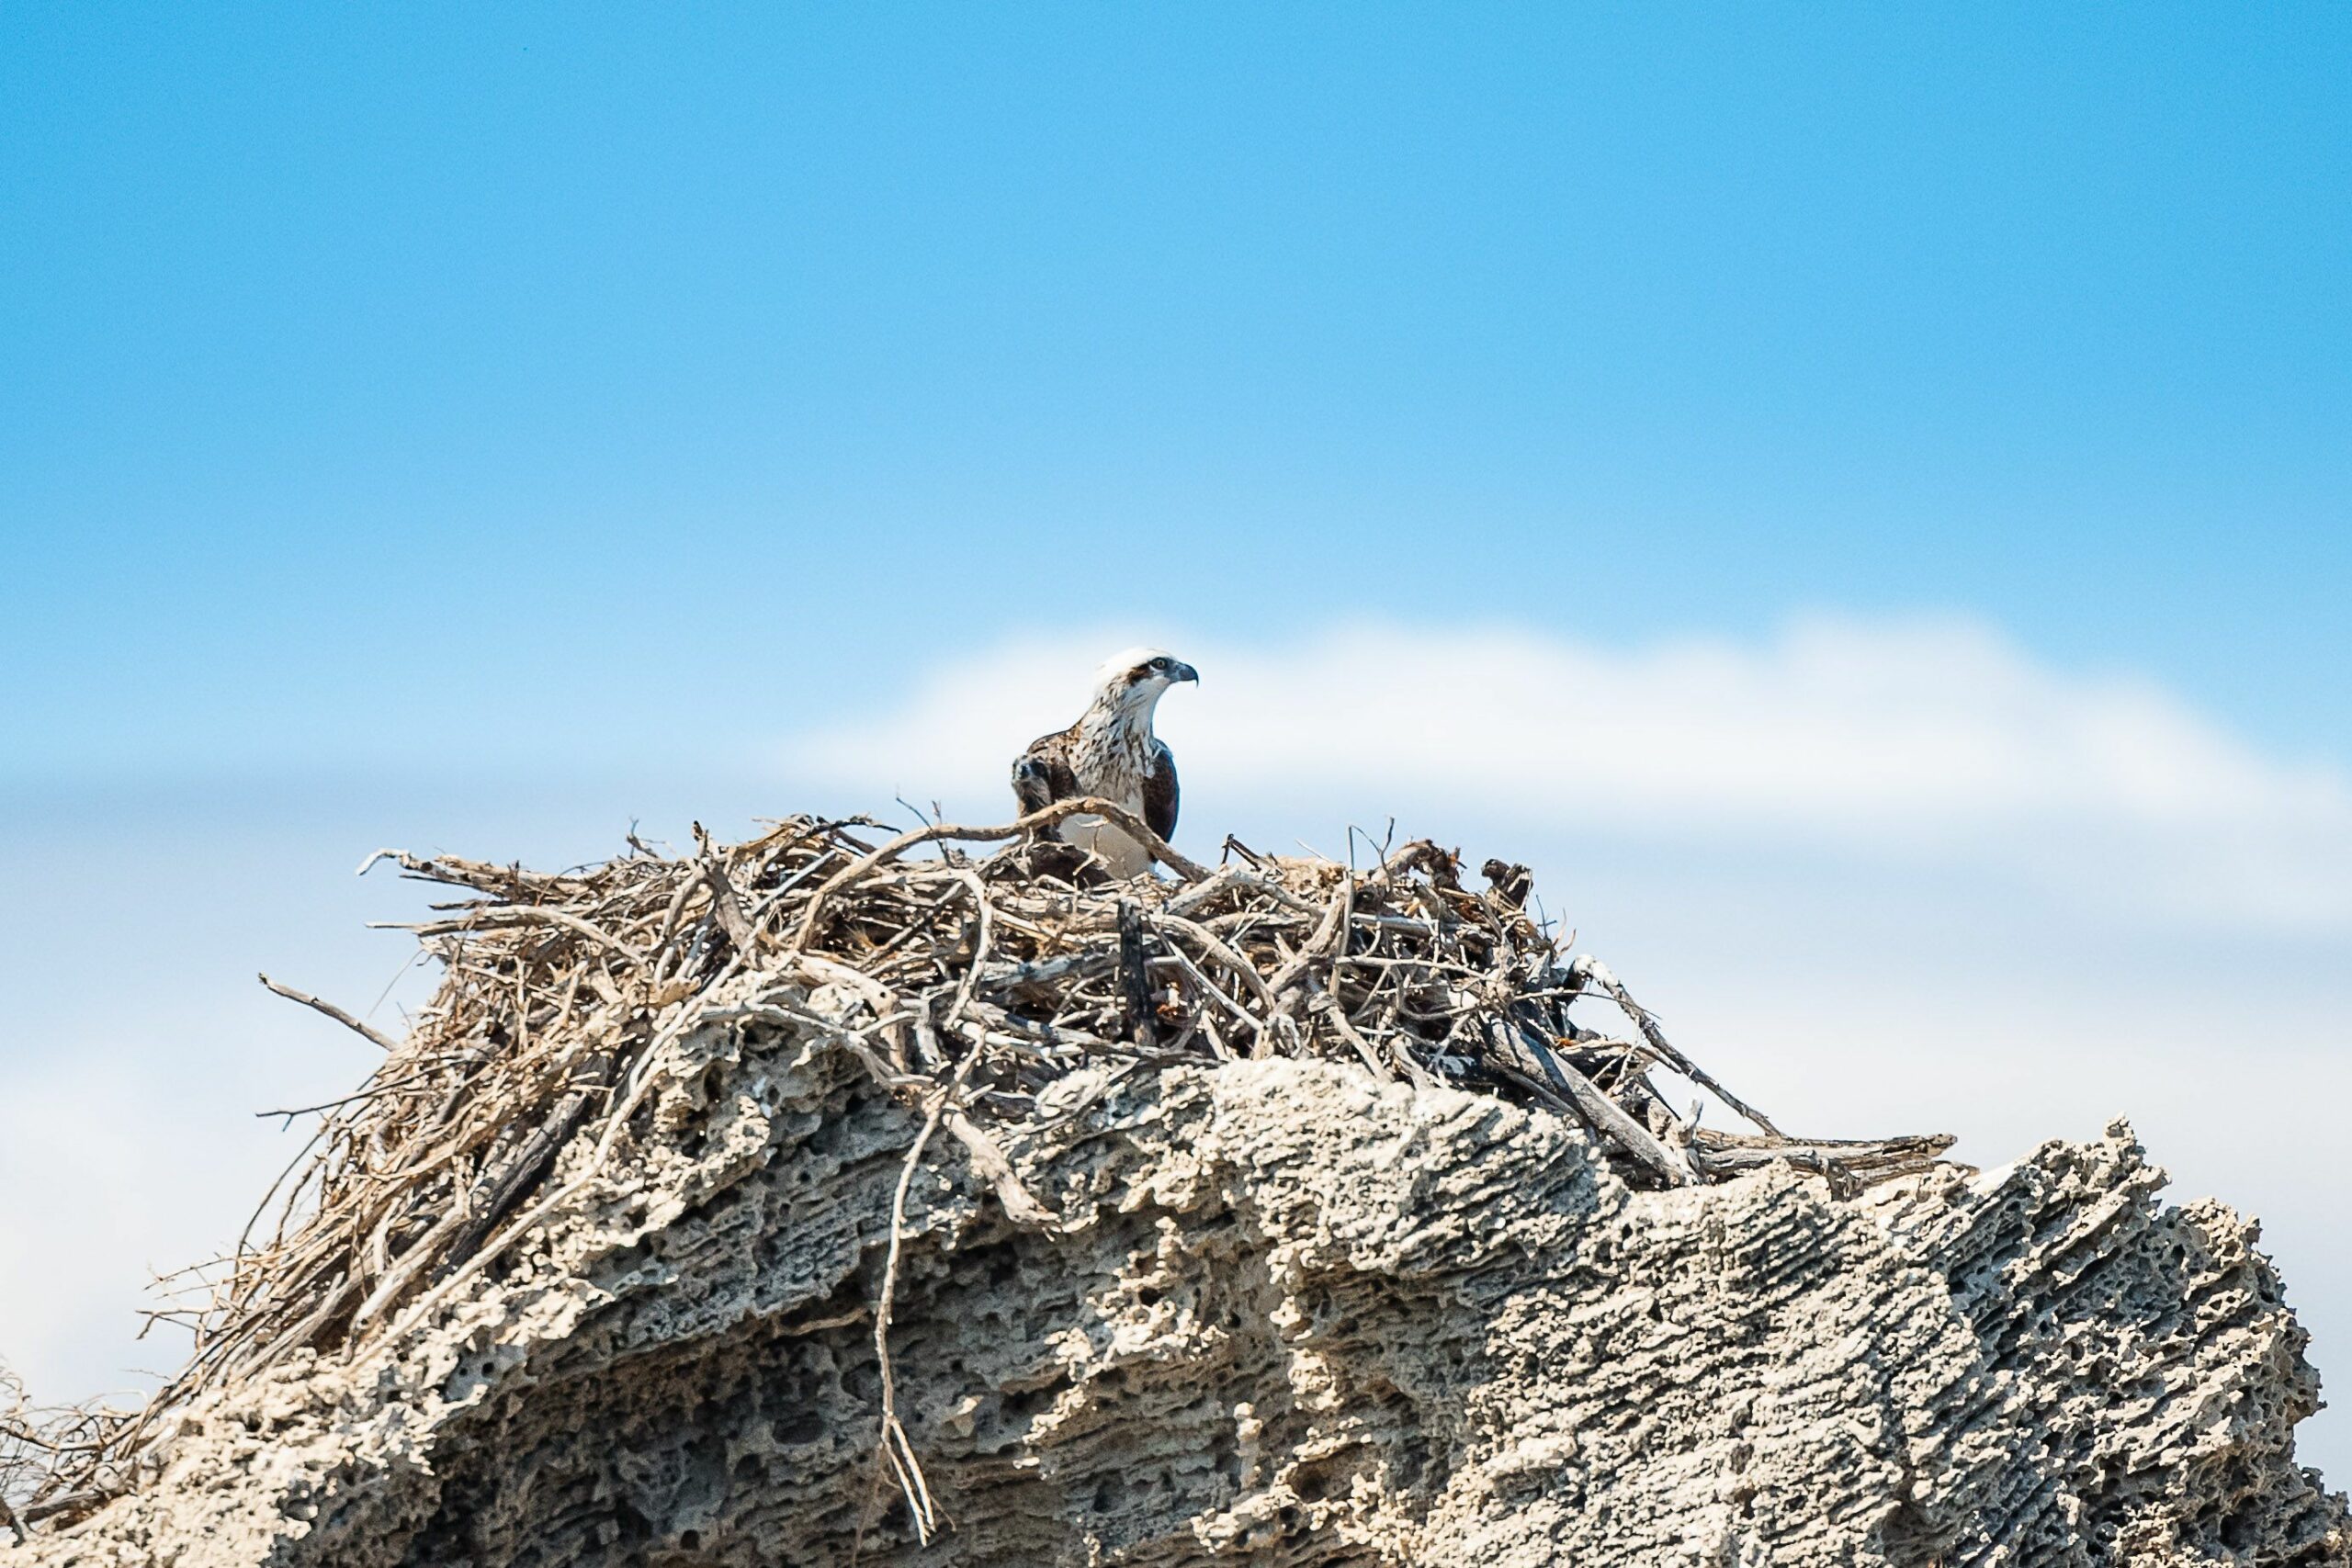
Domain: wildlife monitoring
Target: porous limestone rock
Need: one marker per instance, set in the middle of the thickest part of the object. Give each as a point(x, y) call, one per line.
point(1286, 1316)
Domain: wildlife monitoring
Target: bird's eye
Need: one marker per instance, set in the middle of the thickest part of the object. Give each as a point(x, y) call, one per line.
point(1160, 664)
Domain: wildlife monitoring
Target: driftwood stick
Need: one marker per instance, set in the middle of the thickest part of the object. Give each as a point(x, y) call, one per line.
point(724, 905)
point(374, 1036)
point(1135, 977)
point(512, 915)
point(494, 1196)
point(1323, 1002)
point(1211, 943)
point(1335, 915)
point(77, 1502)
point(895, 1449)
point(989, 1164)
point(1864, 1160)
point(1604, 1114)
point(1592, 971)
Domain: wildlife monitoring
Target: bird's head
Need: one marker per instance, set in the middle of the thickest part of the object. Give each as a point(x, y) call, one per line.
point(1131, 682)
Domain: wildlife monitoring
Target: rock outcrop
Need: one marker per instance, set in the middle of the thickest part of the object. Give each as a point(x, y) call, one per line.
point(1279, 1313)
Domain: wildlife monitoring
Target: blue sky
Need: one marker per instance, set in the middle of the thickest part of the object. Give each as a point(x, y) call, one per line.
point(1901, 455)
point(353, 349)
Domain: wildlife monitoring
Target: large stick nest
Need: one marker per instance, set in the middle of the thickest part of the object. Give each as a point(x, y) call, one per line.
point(980, 980)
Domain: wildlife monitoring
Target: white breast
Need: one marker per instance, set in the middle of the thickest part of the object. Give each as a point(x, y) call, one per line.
point(1120, 854)
point(1108, 760)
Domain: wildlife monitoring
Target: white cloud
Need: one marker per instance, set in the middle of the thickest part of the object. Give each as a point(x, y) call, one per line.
point(1913, 739)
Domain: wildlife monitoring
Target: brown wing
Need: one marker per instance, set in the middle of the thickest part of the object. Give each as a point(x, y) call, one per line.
point(1160, 792)
point(1042, 774)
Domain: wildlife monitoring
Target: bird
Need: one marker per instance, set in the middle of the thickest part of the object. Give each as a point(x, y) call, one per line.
point(1111, 754)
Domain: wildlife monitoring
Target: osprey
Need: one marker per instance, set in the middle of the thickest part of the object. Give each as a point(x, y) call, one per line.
point(1112, 754)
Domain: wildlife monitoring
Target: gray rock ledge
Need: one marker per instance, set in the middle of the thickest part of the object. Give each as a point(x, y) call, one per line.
point(1288, 1318)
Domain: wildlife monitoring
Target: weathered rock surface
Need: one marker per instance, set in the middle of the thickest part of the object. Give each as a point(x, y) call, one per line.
point(1287, 1318)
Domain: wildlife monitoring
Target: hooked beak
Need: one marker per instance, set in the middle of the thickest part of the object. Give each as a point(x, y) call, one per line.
point(1185, 673)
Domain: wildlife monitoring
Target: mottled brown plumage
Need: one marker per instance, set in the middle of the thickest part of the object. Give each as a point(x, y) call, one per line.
point(1111, 754)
